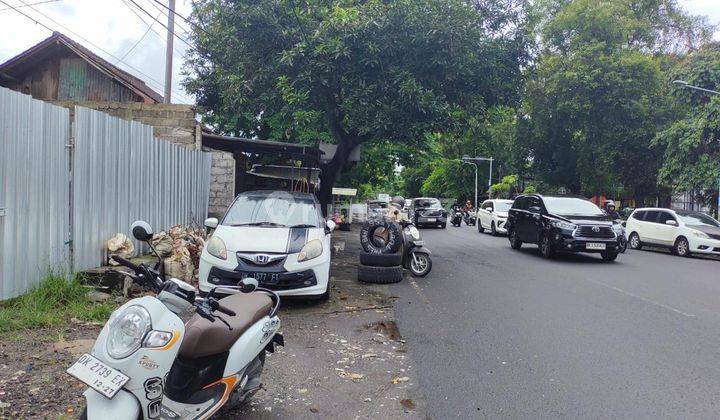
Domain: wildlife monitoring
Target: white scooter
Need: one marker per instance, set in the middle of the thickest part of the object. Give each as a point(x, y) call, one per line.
point(148, 364)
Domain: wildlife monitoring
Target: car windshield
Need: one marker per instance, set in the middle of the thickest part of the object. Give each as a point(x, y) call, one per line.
point(273, 210)
point(697, 219)
point(570, 205)
point(502, 206)
point(429, 203)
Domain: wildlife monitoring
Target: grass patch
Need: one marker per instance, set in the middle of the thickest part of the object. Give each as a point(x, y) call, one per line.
point(53, 303)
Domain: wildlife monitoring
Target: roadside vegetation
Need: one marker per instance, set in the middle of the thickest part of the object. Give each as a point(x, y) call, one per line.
point(54, 303)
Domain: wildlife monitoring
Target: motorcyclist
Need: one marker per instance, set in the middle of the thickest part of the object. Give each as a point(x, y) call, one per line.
point(468, 206)
point(395, 212)
point(610, 210)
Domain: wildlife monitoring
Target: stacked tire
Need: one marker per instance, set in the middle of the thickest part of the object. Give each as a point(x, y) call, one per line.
point(381, 261)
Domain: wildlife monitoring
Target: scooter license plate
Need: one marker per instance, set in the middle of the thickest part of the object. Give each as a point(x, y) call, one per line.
point(267, 278)
point(98, 376)
point(595, 245)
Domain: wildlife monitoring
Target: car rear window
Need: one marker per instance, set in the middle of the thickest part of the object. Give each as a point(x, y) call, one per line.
point(664, 217)
point(639, 215)
point(520, 203)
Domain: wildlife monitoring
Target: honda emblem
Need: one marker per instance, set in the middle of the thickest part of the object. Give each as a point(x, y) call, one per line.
point(262, 259)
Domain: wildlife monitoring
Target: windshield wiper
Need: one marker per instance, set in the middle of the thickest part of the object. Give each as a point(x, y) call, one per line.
point(259, 224)
point(305, 225)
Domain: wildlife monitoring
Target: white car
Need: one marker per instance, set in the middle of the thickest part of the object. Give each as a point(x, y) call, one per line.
point(278, 238)
point(685, 232)
point(492, 215)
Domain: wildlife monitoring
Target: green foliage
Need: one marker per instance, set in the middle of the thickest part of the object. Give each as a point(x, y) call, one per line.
point(507, 188)
point(449, 178)
point(692, 143)
point(53, 303)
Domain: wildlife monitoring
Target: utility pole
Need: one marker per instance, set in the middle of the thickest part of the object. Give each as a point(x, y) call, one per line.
point(169, 50)
point(473, 161)
point(475, 165)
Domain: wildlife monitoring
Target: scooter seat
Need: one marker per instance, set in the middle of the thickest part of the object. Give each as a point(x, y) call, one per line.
point(205, 338)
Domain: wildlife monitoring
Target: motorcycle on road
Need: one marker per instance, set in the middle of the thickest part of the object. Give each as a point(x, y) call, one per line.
point(147, 363)
point(457, 218)
point(470, 218)
point(416, 257)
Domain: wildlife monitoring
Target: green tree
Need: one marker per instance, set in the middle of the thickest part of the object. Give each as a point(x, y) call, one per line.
point(352, 71)
point(598, 95)
point(692, 143)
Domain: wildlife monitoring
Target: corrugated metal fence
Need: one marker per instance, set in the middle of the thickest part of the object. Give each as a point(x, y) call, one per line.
point(120, 174)
point(34, 199)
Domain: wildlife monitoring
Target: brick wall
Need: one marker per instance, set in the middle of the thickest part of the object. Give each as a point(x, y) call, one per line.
point(175, 123)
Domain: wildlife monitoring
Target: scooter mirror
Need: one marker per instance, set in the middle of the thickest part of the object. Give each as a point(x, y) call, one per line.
point(141, 230)
point(248, 285)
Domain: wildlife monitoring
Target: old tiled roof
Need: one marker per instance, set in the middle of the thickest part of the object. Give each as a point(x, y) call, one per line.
point(131, 82)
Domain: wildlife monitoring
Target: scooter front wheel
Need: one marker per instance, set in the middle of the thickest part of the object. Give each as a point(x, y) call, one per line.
point(420, 265)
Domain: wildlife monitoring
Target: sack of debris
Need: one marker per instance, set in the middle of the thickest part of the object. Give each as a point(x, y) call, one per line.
point(120, 245)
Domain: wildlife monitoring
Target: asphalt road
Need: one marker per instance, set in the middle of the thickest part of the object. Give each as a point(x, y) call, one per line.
point(498, 333)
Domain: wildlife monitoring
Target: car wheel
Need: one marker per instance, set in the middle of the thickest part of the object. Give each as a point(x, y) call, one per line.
point(682, 247)
point(635, 241)
point(380, 275)
point(515, 243)
point(609, 256)
point(481, 229)
point(546, 247)
point(493, 230)
point(444, 225)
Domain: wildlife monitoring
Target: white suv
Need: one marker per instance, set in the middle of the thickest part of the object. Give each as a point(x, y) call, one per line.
point(278, 238)
point(492, 215)
point(685, 232)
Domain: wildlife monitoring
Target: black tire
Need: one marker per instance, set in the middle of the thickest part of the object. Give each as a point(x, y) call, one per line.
point(634, 241)
point(481, 229)
point(682, 247)
point(609, 256)
point(546, 247)
point(444, 225)
point(380, 275)
point(515, 243)
point(493, 230)
point(425, 270)
point(373, 243)
point(380, 260)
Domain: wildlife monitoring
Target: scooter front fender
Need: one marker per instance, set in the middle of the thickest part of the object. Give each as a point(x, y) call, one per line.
point(420, 250)
point(123, 406)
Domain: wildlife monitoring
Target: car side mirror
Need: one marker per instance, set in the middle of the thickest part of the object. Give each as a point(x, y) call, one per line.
point(248, 285)
point(490, 210)
point(329, 226)
point(671, 222)
point(534, 210)
point(211, 222)
point(141, 230)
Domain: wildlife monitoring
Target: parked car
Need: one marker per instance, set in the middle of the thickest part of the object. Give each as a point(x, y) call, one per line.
point(492, 215)
point(377, 208)
point(426, 211)
point(684, 232)
point(562, 223)
point(276, 237)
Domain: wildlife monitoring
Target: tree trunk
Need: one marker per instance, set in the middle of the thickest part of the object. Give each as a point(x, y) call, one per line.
point(331, 171)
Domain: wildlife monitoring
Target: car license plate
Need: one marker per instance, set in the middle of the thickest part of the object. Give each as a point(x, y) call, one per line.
point(267, 278)
point(98, 376)
point(430, 219)
point(594, 245)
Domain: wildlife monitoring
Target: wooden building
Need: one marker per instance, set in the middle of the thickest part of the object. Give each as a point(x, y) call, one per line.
point(60, 69)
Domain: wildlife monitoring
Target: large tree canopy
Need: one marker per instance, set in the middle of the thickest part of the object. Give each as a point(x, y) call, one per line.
point(597, 95)
point(351, 71)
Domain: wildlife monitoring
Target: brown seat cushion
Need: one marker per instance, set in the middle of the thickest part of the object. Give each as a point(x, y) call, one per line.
point(205, 338)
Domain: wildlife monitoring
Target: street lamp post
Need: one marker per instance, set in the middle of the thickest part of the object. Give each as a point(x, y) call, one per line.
point(472, 161)
point(684, 84)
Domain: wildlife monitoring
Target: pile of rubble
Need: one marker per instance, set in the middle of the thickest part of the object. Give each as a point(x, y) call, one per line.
point(180, 247)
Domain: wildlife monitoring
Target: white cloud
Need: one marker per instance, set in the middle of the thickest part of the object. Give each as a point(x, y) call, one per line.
point(108, 24)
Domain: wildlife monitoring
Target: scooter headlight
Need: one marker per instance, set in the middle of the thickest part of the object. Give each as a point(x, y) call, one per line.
point(414, 233)
point(312, 249)
point(127, 330)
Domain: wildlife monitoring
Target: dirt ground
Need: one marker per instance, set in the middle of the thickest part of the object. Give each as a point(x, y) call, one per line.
point(342, 359)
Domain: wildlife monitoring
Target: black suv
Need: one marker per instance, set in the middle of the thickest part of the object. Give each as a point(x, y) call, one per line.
point(562, 223)
point(427, 211)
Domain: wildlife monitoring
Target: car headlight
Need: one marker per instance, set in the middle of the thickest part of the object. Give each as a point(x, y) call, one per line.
point(216, 248)
point(127, 330)
point(563, 225)
point(312, 249)
point(414, 233)
point(699, 234)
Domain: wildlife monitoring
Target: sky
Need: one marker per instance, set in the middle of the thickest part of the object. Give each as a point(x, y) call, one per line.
point(114, 27)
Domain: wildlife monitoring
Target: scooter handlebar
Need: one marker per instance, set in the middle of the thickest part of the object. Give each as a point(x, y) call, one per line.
point(122, 261)
point(225, 310)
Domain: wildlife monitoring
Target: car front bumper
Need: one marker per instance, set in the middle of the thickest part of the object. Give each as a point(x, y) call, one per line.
point(308, 278)
point(430, 221)
point(704, 246)
point(566, 243)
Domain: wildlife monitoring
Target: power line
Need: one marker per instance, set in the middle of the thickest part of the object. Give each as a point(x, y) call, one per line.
point(81, 37)
point(193, 24)
point(32, 4)
point(166, 14)
point(142, 19)
point(148, 13)
point(138, 42)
